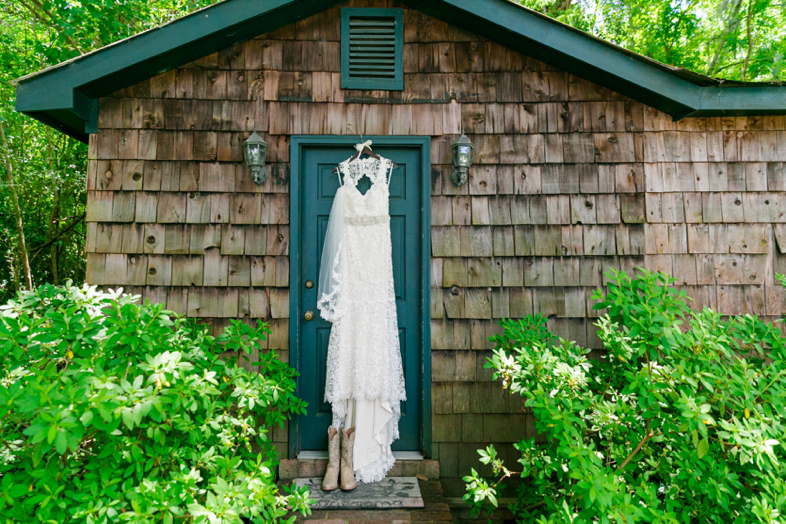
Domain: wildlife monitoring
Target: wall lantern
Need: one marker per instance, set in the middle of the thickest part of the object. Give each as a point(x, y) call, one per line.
point(254, 150)
point(462, 159)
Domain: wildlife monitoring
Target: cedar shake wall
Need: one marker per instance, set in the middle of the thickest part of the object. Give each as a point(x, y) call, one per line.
point(569, 179)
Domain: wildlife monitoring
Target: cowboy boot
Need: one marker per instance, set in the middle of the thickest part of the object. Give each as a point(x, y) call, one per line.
point(347, 469)
point(330, 482)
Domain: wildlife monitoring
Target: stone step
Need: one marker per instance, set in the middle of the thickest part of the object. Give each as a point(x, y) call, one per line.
point(435, 510)
point(290, 469)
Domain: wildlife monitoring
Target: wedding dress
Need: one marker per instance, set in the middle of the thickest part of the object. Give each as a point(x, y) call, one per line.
point(365, 379)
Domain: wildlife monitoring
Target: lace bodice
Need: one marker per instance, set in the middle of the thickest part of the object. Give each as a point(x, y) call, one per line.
point(373, 168)
point(371, 207)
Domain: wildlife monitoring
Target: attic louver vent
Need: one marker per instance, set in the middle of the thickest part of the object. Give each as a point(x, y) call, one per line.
point(371, 49)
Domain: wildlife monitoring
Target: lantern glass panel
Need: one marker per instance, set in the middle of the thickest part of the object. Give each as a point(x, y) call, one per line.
point(463, 156)
point(253, 153)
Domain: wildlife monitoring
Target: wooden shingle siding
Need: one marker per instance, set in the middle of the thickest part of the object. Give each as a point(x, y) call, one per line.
point(570, 179)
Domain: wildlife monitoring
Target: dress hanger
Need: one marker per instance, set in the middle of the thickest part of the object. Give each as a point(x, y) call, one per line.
point(366, 150)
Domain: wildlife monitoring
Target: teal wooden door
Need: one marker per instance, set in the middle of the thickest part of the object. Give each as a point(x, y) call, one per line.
point(314, 185)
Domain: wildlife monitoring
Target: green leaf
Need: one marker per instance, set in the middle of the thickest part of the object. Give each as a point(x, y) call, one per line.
point(50, 437)
point(703, 447)
point(128, 418)
point(17, 491)
point(86, 418)
point(197, 510)
point(61, 441)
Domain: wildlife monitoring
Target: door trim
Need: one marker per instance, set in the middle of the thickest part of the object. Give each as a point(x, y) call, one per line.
point(297, 143)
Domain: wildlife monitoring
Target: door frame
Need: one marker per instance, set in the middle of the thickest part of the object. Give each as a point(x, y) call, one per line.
point(296, 147)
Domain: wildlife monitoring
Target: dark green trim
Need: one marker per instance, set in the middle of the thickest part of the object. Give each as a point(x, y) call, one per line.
point(64, 96)
point(76, 117)
point(295, 224)
point(741, 101)
point(295, 261)
point(394, 84)
point(425, 246)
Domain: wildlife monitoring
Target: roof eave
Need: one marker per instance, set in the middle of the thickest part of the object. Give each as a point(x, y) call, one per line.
point(674, 91)
point(46, 95)
point(567, 49)
point(65, 95)
point(741, 101)
point(67, 110)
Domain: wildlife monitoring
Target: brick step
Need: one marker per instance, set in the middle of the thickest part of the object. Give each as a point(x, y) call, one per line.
point(462, 514)
point(290, 469)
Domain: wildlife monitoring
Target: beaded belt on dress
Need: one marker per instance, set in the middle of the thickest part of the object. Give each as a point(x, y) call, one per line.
point(367, 221)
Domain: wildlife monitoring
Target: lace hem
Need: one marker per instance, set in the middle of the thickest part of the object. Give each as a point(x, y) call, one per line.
point(377, 470)
point(339, 410)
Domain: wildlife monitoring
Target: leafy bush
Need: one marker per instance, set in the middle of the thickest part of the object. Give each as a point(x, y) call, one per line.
point(675, 423)
point(115, 411)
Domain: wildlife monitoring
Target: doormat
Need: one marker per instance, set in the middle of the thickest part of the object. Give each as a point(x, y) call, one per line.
point(389, 493)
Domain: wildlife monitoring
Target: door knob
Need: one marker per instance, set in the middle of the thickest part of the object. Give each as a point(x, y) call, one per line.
point(309, 284)
point(309, 315)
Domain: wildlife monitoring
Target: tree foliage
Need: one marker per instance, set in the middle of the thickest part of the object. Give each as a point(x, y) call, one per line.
point(115, 411)
point(677, 423)
point(49, 168)
point(731, 39)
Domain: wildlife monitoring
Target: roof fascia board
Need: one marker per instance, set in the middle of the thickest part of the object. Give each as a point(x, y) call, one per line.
point(30, 97)
point(67, 110)
point(741, 100)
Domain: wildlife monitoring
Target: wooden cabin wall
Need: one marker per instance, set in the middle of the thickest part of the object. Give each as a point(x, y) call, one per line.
point(570, 179)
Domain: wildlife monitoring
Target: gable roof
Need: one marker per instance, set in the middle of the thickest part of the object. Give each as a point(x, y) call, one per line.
point(65, 96)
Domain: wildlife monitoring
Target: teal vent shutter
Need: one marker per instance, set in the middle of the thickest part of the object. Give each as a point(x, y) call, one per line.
point(372, 49)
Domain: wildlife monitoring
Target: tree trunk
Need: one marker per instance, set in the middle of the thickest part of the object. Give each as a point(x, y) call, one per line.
point(54, 215)
point(52, 232)
point(732, 22)
point(749, 34)
point(9, 175)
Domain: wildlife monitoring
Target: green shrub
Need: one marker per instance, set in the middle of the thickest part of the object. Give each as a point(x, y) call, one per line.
point(115, 411)
point(675, 423)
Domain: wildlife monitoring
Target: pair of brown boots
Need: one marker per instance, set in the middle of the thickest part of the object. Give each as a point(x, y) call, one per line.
point(342, 464)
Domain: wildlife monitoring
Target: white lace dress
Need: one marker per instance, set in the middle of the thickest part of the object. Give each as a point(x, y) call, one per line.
point(365, 380)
